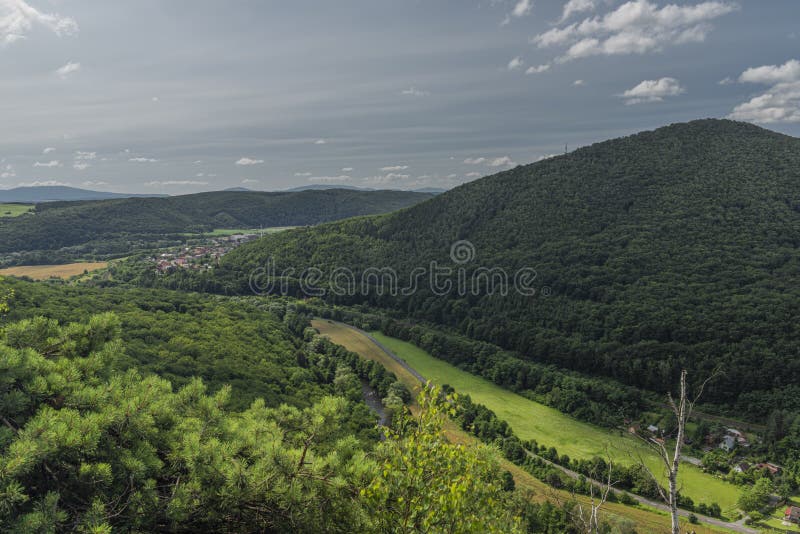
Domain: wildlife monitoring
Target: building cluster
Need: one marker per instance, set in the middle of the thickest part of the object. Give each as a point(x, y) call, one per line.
point(733, 438)
point(201, 256)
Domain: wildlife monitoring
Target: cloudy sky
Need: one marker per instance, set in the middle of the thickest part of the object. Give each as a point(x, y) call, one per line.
point(174, 96)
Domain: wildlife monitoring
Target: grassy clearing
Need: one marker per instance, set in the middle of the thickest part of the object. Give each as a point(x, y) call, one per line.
point(531, 420)
point(222, 232)
point(14, 210)
point(646, 519)
point(45, 272)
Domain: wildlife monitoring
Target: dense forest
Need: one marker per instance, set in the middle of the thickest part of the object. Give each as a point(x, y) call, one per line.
point(116, 226)
point(667, 249)
point(105, 427)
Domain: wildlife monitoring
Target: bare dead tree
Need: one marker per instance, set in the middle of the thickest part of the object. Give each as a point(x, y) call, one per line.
point(682, 409)
point(599, 490)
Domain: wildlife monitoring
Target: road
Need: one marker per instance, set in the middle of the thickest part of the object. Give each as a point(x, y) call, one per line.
point(736, 527)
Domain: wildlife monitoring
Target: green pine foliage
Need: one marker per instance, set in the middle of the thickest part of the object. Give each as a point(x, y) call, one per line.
point(87, 448)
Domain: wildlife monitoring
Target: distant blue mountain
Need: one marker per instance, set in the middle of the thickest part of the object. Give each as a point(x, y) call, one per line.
point(52, 193)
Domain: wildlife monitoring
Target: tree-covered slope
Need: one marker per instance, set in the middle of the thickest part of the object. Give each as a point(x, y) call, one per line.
point(670, 248)
point(63, 224)
point(86, 446)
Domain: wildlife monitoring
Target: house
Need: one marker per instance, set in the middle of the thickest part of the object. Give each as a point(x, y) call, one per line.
point(792, 514)
point(653, 429)
point(741, 467)
point(728, 443)
point(772, 468)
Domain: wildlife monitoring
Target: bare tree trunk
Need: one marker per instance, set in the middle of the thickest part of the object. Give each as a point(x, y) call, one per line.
point(589, 520)
point(671, 462)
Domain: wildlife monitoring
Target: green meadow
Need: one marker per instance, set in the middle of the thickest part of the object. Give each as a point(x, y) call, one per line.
point(14, 210)
point(532, 420)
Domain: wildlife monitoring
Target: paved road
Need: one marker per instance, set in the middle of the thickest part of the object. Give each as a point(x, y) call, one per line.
point(736, 527)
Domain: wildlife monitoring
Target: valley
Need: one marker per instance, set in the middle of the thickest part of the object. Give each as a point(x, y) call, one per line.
point(388, 355)
point(180, 285)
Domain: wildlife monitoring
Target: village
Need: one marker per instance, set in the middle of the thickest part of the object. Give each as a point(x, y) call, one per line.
point(199, 255)
point(728, 452)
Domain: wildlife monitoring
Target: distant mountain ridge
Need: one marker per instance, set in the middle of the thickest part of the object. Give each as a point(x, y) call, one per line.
point(56, 225)
point(55, 193)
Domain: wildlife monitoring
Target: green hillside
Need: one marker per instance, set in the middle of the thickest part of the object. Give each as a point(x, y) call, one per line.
point(68, 224)
point(164, 412)
point(670, 248)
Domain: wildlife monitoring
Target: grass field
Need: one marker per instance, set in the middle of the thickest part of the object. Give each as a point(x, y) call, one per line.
point(221, 232)
point(646, 519)
point(531, 420)
point(45, 272)
point(14, 210)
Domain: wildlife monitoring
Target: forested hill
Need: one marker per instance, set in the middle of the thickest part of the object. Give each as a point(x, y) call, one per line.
point(669, 248)
point(63, 224)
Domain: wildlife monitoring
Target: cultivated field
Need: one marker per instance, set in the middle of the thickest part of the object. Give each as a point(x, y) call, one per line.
point(222, 232)
point(45, 272)
point(14, 210)
point(531, 420)
point(646, 519)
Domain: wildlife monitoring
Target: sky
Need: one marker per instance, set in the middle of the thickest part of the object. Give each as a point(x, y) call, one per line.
point(181, 96)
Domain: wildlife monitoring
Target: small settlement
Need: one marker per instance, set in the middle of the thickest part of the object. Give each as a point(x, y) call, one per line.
point(199, 256)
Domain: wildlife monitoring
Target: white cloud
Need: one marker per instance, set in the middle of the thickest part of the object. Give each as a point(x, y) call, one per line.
point(726, 81)
point(199, 175)
point(330, 179)
point(44, 183)
point(85, 156)
point(80, 165)
point(320, 142)
point(769, 74)
point(515, 63)
point(302, 174)
point(17, 18)
point(504, 161)
point(394, 168)
point(576, 6)
point(522, 8)
point(53, 163)
point(490, 162)
point(413, 91)
point(652, 91)
point(48, 150)
point(143, 160)
point(635, 27)
point(67, 70)
point(198, 162)
point(249, 161)
point(780, 103)
point(473, 175)
point(8, 172)
point(347, 169)
point(537, 69)
point(174, 182)
point(578, 83)
point(250, 181)
point(90, 183)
